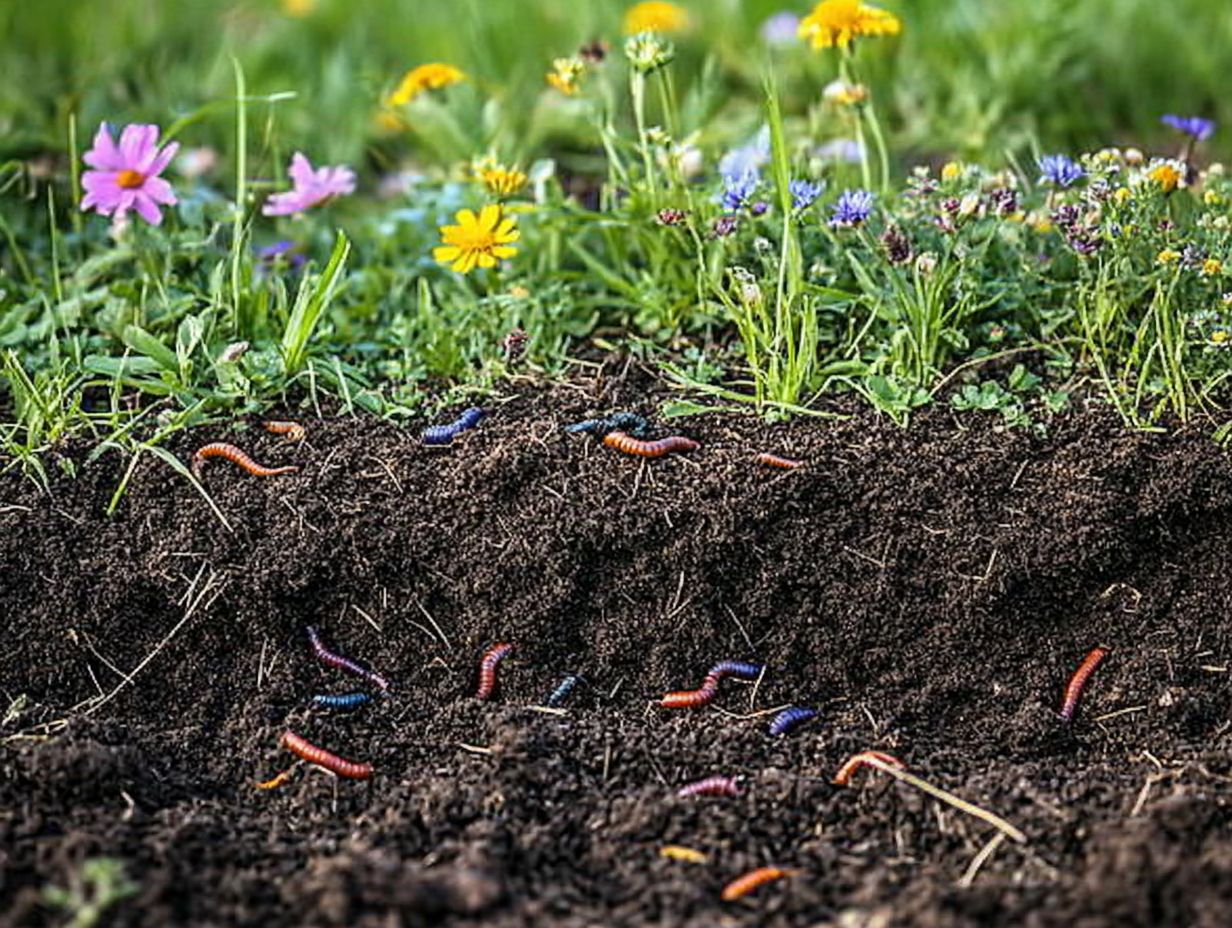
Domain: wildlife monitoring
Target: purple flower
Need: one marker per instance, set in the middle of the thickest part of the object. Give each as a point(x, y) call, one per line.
point(804, 193)
point(724, 226)
point(852, 209)
point(281, 254)
point(126, 176)
point(1195, 127)
point(748, 158)
point(781, 29)
point(737, 189)
point(311, 187)
point(1060, 170)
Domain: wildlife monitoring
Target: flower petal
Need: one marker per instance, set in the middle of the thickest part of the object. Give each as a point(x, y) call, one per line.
point(136, 144)
point(465, 218)
point(163, 158)
point(504, 251)
point(147, 209)
point(159, 191)
point(446, 253)
point(104, 154)
point(489, 216)
point(300, 171)
point(486, 260)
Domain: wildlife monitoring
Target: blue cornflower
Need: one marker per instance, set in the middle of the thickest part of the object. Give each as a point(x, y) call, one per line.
point(1195, 127)
point(752, 156)
point(281, 254)
point(737, 189)
point(804, 192)
point(1060, 170)
point(852, 209)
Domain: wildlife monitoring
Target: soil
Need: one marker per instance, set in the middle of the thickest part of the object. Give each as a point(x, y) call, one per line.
point(930, 590)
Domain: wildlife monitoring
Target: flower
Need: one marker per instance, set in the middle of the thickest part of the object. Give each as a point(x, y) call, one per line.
point(852, 209)
point(841, 93)
point(1195, 127)
point(281, 255)
point(647, 52)
point(781, 28)
point(197, 162)
point(1060, 170)
point(896, 244)
point(477, 241)
point(749, 157)
point(655, 16)
point(431, 76)
point(502, 181)
point(126, 176)
point(804, 193)
point(840, 151)
point(724, 226)
point(952, 170)
point(737, 189)
point(566, 75)
point(670, 217)
point(1212, 267)
point(1168, 175)
point(310, 187)
point(1219, 338)
point(838, 22)
point(1168, 256)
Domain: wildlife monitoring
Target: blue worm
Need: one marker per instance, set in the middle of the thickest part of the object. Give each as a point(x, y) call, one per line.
point(741, 670)
point(561, 693)
point(445, 434)
point(788, 719)
point(629, 422)
point(341, 701)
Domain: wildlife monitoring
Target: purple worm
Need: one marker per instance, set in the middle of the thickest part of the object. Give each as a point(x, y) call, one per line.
point(337, 661)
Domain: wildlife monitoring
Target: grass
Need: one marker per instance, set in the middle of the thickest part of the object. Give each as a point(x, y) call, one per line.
point(128, 336)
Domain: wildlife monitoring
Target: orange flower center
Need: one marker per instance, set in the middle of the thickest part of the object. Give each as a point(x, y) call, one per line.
point(128, 180)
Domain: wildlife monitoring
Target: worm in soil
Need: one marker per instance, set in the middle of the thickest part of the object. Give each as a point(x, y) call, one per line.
point(1078, 682)
point(221, 449)
point(341, 700)
point(324, 759)
point(561, 693)
point(712, 786)
point(788, 719)
point(338, 662)
point(685, 854)
point(691, 699)
point(773, 460)
point(487, 669)
point(752, 880)
point(629, 422)
point(445, 434)
point(856, 761)
point(649, 449)
point(278, 779)
point(741, 670)
point(292, 431)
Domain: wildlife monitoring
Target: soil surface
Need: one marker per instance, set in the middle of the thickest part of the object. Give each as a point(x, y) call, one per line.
point(930, 591)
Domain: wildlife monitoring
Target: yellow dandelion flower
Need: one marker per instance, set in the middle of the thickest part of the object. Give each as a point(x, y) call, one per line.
point(1219, 338)
point(477, 241)
point(502, 181)
point(952, 171)
point(1167, 175)
point(1168, 256)
point(298, 8)
point(655, 16)
point(566, 75)
point(388, 120)
point(837, 22)
point(1122, 195)
point(1212, 267)
point(432, 76)
point(1212, 198)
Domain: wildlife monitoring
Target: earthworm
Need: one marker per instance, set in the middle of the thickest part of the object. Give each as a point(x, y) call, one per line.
point(561, 693)
point(773, 460)
point(323, 758)
point(487, 669)
point(1073, 692)
point(278, 779)
point(338, 662)
point(741, 670)
point(292, 430)
point(686, 854)
point(712, 786)
point(690, 699)
point(648, 449)
point(445, 434)
point(856, 761)
point(221, 449)
point(341, 700)
point(788, 719)
point(629, 422)
point(744, 885)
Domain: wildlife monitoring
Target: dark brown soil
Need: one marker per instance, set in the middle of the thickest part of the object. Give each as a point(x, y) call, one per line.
point(931, 590)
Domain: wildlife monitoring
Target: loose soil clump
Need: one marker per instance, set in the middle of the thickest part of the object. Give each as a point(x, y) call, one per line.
point(929, 590)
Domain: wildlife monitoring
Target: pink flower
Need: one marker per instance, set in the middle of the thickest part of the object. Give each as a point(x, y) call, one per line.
point(125, 176)
point(311, 187)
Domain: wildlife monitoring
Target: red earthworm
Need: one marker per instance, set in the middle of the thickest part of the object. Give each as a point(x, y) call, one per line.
point(691, 699)
point(337, 661)
point(649, 449)
point(744, 885)
point(712, 786)
point(1073, 692)
point(323, 758)
point(292, 430)
point(856, 761)
point(487, 669)
point(220, 449)
point(773, 460)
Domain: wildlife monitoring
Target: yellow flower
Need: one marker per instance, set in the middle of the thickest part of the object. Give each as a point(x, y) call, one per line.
point(566, 75)
point(1167, 174)
point(1122, 195)
point(1219, 337)
point(477, 241)
point(838, 22)
point(952, 171)
point(655, 16)
point(1168, 256)
point(298, 8)
point(1212, 267)
point(502, 181)
point(425, 77)
point(1212, 198)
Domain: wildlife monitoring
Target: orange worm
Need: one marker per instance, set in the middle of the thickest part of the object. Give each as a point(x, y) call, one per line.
point(744, 885)
point(773, 460)
point(323, 758)
point(1073, 692)
point(220, 449)
point(278, 780)
point(856, 761)
point(648, 449)
point(691, 699)
point(292, 430)
point(487, 669)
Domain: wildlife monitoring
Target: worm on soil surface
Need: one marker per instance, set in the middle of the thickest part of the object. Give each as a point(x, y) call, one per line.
point(322, 758)
point(338, 662)
point(752, 880)
point(293, 431)
point(685, 854)
point(690, 699)
point(649, 449)
point(773, 460)
point(341, 700)
point(561, 693)
point(1078, 682)
point(445, 434)
point(788, 719)
point(856, 761)
point(221, 449)
point(711, 786)
point(277, 780)
point(487, 669)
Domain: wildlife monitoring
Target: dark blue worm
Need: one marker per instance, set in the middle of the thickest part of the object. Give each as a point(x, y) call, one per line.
point(341, 700)
point(561, 693)
point(445, 434)
point(788, 719)
point(742, 670)
point(628, 422)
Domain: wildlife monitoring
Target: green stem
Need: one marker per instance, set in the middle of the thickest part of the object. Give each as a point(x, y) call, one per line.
point(637, 87)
